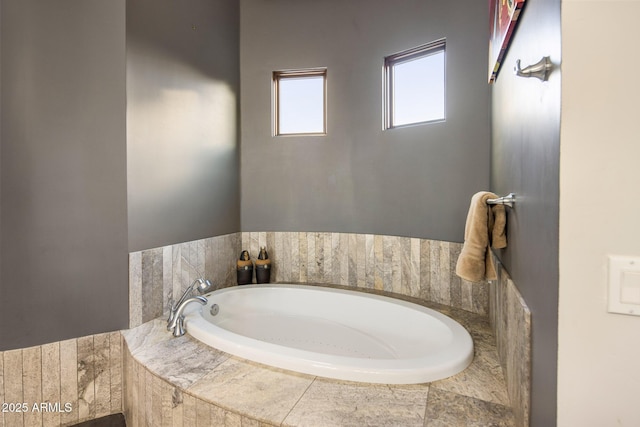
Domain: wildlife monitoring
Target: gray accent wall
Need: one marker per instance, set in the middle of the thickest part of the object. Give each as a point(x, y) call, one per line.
point(525, 160)
point(415, 181)
point(63, 170)
point(182, 121)
point(119, 132)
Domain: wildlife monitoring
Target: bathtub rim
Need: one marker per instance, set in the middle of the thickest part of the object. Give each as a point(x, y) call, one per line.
point(377, 371)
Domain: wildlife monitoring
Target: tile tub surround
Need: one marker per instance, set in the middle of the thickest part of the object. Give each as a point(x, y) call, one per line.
point(182, 382)
point(511, 322)
point(85, 373)
point(160, 274)
point(419, 268)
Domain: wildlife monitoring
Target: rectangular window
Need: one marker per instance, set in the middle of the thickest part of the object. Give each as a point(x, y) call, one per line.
point(414, 86)
point(299, 102)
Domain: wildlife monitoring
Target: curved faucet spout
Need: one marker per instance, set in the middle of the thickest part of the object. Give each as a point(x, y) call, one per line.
point(177, 323)
point(202, 285)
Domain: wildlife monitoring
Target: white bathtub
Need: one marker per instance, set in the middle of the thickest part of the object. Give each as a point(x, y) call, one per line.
point(333, 333)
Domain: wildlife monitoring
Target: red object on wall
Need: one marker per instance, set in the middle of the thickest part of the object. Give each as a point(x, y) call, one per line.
point(504, 15)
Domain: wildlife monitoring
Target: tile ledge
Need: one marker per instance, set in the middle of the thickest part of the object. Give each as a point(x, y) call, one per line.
point(151, 341)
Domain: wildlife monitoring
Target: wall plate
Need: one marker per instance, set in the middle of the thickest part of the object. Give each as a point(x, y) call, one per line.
point(624, 285)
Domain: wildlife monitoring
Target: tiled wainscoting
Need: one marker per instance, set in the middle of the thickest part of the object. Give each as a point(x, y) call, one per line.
point(414, 267)
point(511, 322)
point(76, 380)
point(87, 372)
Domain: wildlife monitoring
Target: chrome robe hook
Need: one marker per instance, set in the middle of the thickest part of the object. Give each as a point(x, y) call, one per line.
point(539, 70)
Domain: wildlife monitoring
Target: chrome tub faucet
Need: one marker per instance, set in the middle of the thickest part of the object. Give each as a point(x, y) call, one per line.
point(175, 322)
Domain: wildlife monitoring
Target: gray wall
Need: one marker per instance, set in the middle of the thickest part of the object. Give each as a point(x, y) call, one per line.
point(63, 170)
point(119, 132)
point(415, 181)
point(525, 160)
point(182, 116)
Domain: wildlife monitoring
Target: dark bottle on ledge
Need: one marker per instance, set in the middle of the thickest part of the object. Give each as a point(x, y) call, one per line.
point(244, 268)
point(263, 266)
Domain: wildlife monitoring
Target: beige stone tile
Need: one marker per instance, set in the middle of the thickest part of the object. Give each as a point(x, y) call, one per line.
point(425, 269)
point(387, 263)
point(102, 374)
point(284, 261)
point(115, 371)
point(32, 384)
point(225, 418)
point(404, 248)
point(343, 258)
point(137, 389)
point(296, 257)
point(145, 336)
point(336, 403)
point(181, 360)
point(179, 275)
point(483, 379)
point(167, 277)
point(248, 388)
point(141, 387)
point(135, 289)
point(51, 381)
point(188, 410)
point(152, 284)
point(455, 282)
point(303, 248)
point(396, 265)
point(127, 384)
point(156, 399)
point(177, 407)
point(361, 261)
point(245, 238)
point(466, 295)
point(166, 392)
point(440, 271)
point(447, 409)
point(250, 422)
point(414, 268)
point(274, 248)
point(370, 261)
point(378, 255)
point(335, 258)
point(13, 391)
point(312, 258)
point(148, 397)
point(203, 414)
point(518, 362)
point(86, 379)
point(480, 298)
point(69, 380)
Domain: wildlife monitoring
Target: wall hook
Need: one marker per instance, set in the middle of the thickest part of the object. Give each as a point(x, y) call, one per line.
point(540, 70)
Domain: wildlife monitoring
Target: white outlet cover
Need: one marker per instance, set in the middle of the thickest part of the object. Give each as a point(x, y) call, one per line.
point(624, 285)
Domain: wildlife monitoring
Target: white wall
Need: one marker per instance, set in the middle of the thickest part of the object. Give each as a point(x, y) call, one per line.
point(599, 352)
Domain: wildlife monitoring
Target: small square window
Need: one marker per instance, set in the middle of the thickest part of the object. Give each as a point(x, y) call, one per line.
point(414, 86)
point(299, 102)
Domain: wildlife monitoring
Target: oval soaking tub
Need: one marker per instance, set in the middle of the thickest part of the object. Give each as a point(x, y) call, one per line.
point(334, 333)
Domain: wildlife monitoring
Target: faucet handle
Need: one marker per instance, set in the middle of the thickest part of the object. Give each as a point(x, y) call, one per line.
point(172, 313)
point(179, 330)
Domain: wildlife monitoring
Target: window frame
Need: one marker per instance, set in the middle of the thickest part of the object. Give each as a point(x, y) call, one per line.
point(277, 76)
point(390, 61)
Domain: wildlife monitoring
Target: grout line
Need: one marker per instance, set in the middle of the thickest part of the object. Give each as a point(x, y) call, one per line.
point(298, 401)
